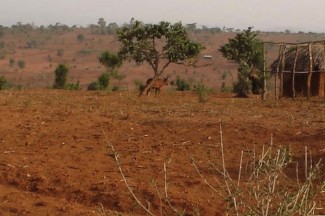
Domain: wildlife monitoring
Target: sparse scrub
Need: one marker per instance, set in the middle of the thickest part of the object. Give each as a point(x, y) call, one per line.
point(268, 190)
point(73, 86)
point(181, 84)
point(202, 91)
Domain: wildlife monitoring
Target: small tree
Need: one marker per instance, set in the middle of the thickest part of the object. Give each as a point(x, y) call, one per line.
point(61, 73)
point(158, 45)
point(246, 50)
point(111, 61)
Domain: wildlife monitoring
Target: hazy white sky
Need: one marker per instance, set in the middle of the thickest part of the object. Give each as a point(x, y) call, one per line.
point(278, 15)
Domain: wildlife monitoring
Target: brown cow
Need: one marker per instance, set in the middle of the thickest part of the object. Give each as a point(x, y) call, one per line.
point(156, 85)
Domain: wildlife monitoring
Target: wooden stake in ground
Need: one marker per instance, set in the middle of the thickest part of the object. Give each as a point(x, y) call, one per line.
point(293, 74)
point(310, 69)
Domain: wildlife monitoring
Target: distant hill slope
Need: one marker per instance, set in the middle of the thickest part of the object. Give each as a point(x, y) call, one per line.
point(41, 51)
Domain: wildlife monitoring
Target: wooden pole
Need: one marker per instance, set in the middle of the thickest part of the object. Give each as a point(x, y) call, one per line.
point(310, 70)
point(293, 74)
point(281, 72)
point(264, 74)
point(277, 71)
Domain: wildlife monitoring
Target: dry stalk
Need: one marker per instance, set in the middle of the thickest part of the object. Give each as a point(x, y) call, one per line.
point(160, 196)
point(116, 156)
point(205, 180)
point(166, 190)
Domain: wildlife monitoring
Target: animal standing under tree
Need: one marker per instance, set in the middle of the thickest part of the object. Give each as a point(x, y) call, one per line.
point(158, 45)
point(156, 85)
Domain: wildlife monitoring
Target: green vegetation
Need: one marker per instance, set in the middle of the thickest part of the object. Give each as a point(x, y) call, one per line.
point(202, 91)
point(246, 50)
point(4, 83)
point(111, 61)
point(80, 37)
point(61, 73)
point(181, 84)
point(21, 64)
point(157, 44)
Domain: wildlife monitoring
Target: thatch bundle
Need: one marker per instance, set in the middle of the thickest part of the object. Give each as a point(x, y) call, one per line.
point(302, 63)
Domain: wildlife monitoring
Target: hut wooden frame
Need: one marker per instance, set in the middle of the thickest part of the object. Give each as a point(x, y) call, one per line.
point(280, 69)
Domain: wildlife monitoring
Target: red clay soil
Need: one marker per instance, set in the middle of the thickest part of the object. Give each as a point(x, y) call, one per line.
point(55, 155)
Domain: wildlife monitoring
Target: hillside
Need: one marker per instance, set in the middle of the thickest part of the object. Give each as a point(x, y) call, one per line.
point(42, 50)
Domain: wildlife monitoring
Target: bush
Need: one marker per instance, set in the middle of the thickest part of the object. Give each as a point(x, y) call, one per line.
point(202, 91)
point(103, 81)
point(73, 86)
point(80, 37)
point(93, 86)
point(140, 86)
point(4, 83)
point(21, 64)
point(60, 76)
point(181, 84)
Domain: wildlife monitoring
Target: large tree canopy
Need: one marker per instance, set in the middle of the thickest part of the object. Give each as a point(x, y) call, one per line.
point(158, 45)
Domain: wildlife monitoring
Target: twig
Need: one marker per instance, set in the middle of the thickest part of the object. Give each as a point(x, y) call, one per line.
point(240, 167)
point(116, 156)
point(166, 189)
point(205, 180)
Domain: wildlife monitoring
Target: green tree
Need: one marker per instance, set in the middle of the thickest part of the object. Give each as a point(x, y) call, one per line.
point(158, 45)
point(61, 73)
point(110, 60)
point(246, 50)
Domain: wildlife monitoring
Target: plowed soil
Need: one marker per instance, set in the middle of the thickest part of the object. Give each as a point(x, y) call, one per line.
point(56, 156)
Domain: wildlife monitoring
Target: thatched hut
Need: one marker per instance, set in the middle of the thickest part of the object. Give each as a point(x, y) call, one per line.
point(296, 75)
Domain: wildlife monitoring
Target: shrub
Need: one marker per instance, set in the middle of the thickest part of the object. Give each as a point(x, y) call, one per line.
point(73, 86)
point(140, 86)
point(202, 91)
point(60, 76)
point(4, 83)
point(21, 64)
point(11, 62)
point(80, 37)
point(181, 84)
point(103, 81)
point(93, 86)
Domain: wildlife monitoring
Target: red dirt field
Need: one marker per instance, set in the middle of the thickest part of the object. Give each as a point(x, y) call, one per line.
point(55, 158)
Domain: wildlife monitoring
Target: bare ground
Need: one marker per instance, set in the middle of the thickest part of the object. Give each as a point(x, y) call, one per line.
point(55, 158)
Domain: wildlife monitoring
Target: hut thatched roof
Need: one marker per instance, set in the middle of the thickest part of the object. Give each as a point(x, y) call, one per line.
point(318, 54)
